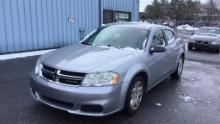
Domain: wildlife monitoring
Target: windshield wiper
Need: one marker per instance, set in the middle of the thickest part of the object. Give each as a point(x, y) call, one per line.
point(108, 45)
point(86, 43)
point(118, 47)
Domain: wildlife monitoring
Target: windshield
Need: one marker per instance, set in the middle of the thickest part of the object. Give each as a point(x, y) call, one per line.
point(208, 31)
point(118, 36)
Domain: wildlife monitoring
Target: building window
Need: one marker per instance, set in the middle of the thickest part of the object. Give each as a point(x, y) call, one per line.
point(122, 16)
point(107, 16)
point(110, 16)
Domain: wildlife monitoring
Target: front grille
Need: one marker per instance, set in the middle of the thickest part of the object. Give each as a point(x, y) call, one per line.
point(48, 75)
point(202, 42)
point(69, 81)
point(61, 76)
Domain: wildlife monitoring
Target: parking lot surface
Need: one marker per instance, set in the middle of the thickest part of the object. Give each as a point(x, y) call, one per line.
point(203, 56)
point(192, 100)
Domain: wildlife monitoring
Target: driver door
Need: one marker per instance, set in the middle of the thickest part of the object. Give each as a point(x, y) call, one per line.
point(158, 62)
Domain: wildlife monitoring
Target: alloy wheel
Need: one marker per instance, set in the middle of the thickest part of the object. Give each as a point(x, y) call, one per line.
point(136, 95)
point(180, 67)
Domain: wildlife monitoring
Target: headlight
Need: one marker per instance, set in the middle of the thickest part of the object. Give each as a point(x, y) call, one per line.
point(38, 68)
point(215, 42)
point(101, 79)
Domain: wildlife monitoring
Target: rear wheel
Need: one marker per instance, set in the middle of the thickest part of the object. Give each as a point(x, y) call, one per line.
point(217, 50)
point(134, 95)
point(190, 47)
point(178, 73)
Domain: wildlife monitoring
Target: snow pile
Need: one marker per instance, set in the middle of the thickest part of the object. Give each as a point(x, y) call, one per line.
point(24, 54)
point(185, 27)
point(186, 98)
point(158, 104)
point(132, 49)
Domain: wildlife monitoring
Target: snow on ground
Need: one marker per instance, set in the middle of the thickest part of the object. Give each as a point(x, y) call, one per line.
point(23, 54)
point(186, 98)
point(158, 104)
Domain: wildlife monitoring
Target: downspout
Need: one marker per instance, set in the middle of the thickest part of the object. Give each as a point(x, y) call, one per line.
point(100, 13)
point(135, 12)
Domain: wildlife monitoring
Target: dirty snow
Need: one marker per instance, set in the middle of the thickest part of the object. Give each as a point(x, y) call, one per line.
point(158, 104)
point(208, 102)
point(194, 100)
point(23, 54)
point(186, 98)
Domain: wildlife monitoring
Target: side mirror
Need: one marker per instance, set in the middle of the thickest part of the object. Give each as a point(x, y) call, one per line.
point(157, 49)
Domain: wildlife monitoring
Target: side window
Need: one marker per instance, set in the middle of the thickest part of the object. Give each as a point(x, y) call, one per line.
point(169, 36)
point(158, 39)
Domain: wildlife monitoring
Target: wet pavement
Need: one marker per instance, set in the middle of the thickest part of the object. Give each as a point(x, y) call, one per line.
point(192, 100)
point(205, 56)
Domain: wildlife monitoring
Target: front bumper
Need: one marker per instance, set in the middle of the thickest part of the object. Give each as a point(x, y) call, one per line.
point(204, 46)
point(89, 101)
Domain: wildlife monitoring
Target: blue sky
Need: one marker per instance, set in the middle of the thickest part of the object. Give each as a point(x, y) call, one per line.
point(143, 3)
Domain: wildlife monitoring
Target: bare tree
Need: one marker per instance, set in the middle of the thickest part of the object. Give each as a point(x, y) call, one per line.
point(211, 9)
point(174, 9)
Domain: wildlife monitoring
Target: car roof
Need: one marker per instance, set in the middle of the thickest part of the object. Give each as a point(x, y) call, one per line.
point(143, 25)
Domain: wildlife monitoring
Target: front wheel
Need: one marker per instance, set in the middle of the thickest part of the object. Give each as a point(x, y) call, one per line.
point(218, 50)
point(134, 95)
point(178, 73)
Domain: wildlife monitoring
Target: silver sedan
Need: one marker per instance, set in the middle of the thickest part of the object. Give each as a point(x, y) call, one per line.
point(109, 70)
point(205, 38)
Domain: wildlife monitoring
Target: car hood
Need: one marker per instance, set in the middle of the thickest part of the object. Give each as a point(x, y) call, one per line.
point(205, 37)
point(84, 58)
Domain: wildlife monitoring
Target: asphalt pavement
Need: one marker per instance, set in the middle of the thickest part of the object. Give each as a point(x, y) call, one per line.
point(204, 56)
point(192, 100)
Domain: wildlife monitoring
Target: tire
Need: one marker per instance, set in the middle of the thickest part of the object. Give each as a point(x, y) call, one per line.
point(178, 73)
point(134, 96)
point(190, 47)
point(217, 50)
point(214, 50)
